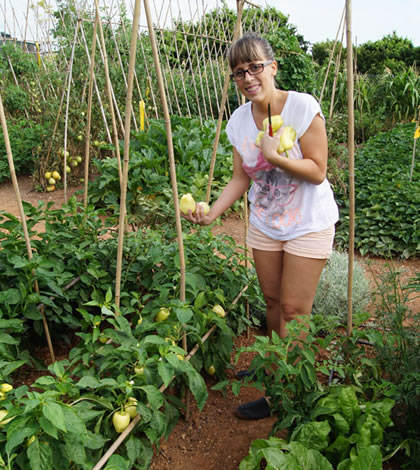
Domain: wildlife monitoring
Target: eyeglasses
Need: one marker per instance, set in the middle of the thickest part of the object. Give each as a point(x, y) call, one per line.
point(253, 69)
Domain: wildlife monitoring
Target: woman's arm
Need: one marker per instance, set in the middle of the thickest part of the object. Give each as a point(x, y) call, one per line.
point(314, 147)
point(232, 192)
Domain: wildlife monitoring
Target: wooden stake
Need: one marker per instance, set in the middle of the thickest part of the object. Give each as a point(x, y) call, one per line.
point(331, 57)
point(337, 70)
point(350, 145)
point(222, 105)
point(66, 120)
point(89, 113)
point(109, 93)
point(170, 149)
point(23, 217)
point(127, 124)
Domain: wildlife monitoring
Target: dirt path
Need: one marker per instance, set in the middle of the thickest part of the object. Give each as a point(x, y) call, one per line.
point(213, 439)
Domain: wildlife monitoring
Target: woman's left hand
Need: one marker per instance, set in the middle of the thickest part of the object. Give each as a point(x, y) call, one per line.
point(269, 145)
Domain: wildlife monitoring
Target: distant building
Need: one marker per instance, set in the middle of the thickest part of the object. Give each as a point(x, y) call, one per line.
point(25, 45)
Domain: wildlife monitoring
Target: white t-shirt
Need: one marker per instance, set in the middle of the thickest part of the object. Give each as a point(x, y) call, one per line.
point(282, 206)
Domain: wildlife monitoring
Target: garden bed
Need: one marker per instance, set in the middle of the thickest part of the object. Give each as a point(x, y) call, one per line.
point(214, 438)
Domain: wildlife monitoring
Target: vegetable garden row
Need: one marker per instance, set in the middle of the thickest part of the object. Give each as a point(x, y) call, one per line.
point(139, 345)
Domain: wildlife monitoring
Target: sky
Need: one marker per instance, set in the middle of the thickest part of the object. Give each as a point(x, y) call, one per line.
point(316, 20)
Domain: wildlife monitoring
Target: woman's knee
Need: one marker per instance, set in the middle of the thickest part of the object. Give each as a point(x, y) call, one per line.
point(291, 312)
point(272, 302)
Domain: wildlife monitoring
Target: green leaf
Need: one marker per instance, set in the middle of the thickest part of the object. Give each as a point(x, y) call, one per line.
point(7, 339)
point(134, 448)
point(369, 458)
point(166, 372)
point(40, 456)
point(200, 301)
point(10, 297)
point(94, 440)
point(17, 436)
point(88, 382)
point(184, 314)
point(73, 422)
point(54, 413)
point(75, 449)
point(154, 396)
point(116, 462)
point(198, 388)
point(313, 435)
point(48, 427)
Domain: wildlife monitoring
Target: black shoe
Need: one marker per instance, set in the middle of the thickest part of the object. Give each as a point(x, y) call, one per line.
point(247, 373)
point(258, 409)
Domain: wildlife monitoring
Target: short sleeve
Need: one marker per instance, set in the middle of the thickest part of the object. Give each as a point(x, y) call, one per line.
point(301, 112)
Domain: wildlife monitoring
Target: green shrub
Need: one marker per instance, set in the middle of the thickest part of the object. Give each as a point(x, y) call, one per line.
point(387, 202)
point(148, 192)
point(26, 141)
point(331, 294)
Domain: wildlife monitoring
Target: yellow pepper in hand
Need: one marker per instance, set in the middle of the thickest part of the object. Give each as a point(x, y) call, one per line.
point(287, 139)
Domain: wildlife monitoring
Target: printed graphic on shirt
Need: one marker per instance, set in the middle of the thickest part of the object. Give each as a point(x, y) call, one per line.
point(273, 194)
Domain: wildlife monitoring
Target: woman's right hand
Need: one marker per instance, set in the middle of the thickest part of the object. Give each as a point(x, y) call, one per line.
point(198, 217)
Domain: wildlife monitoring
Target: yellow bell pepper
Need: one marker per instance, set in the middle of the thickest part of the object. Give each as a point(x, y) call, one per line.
point(287, 139)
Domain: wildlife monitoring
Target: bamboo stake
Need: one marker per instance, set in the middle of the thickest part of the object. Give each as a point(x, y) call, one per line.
point(212, 62)
point(128, 111)
point(162, 388)
point(222, 106)
point(331, 56)
point(200, 77)
point(191, 68)
point(23, 218)
point(181, 74)
point(117, 49)
point(103, 53)
point(170, 149)
point(245, 199)
point(207, 61)
point(66, 120)
point(337, 70)
point(89, 112)
point(169, 68)
point(98, 95)
point(171, 159)
point(350, 143)
point(109, 93)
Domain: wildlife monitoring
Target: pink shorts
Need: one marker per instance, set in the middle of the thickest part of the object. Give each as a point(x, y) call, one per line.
point(312, 245)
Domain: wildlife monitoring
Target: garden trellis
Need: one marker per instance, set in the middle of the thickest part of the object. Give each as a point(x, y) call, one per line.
point(169, 49)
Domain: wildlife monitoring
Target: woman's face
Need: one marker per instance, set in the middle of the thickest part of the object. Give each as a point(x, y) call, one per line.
point(255, 79)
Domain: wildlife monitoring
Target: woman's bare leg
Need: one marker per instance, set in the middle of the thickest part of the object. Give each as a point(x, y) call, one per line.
point(288, 283)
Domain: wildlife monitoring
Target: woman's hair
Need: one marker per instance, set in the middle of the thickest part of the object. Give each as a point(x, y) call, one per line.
point(248, 48)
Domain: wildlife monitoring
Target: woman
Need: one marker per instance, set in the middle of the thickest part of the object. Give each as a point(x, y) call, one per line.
point(292, 207)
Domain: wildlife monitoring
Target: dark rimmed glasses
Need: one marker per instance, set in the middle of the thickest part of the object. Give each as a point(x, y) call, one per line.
point(253, 69)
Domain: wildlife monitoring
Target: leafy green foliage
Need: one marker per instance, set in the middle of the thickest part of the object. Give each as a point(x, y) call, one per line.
point(387, 202)
point(123, 351)
point(390, 52)
point(278, 453)
point(148, 193)
point(26, 141)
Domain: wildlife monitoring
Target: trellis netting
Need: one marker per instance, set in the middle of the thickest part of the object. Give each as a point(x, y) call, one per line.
point(192, 38)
